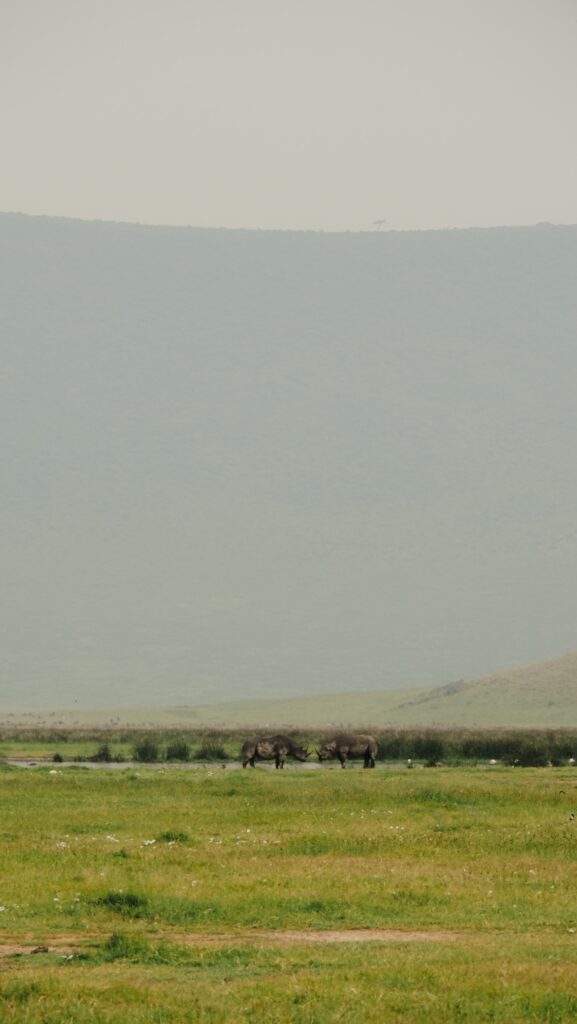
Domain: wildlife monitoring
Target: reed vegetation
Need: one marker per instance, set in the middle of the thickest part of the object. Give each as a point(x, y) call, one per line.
point(525, 747)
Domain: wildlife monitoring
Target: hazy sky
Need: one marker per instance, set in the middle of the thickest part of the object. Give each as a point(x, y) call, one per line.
point(320, 114)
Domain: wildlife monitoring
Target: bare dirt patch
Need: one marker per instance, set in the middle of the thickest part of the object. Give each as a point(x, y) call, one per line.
point(358, 935)
point(67, 945)
point(52, 946)
point(288, 938)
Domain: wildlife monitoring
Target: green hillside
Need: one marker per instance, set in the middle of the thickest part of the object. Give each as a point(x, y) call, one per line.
point(540, 694)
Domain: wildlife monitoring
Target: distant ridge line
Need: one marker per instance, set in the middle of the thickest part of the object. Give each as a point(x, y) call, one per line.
point(365, 232)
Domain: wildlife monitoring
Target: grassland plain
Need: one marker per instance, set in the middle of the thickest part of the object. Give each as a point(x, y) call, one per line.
point(153, 890)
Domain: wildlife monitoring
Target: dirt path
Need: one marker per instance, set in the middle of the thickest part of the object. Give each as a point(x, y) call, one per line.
point(290, 938)
point(67, 945)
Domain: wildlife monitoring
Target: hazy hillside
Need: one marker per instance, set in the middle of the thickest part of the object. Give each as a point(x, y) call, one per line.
point(542, 694)
point(247, 464)
point(537, 695)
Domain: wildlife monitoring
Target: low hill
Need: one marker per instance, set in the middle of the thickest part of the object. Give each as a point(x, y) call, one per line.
point(539, 694)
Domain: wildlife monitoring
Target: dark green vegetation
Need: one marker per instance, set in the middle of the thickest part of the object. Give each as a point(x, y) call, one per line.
point(150, 891)
point(524, 747)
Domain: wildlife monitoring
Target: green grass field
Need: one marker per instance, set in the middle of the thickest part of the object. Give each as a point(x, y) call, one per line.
point(151, 889)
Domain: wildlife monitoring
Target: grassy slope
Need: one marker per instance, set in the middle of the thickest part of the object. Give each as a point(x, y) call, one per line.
point(540, 694)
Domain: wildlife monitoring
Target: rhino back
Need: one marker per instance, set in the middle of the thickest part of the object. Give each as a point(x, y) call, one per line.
point(355, 743)
point(265, 749)
point(282, 743)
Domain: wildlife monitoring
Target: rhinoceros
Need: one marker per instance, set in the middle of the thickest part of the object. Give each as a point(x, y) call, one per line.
point(348, 745)
point(270, 748)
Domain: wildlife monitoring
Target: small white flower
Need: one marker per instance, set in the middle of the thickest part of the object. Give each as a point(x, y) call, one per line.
point(149, 842)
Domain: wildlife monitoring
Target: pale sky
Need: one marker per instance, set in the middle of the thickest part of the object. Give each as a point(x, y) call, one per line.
point(308, 114)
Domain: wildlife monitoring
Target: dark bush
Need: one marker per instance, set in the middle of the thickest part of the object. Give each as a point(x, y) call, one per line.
point(528, 754)
point(126, 947)
point(173, 837)
point(392, 747)
point(102, 754)
point(178, 750)
point(146, 750)
point(58, 759)
point(429, 747)
point(210, 750)
point(128, 903)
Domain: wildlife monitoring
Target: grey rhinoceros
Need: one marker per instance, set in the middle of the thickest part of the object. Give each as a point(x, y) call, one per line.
point(350, 745)
point(270, 748)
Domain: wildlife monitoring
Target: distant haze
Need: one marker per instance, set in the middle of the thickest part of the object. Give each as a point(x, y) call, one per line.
point(308, 114)
point(238, 464)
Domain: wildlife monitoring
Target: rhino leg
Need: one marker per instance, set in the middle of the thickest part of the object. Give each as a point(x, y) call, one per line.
point(342, 758)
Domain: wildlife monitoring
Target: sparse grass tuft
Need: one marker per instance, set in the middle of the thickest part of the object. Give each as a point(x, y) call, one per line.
point(129, 903)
